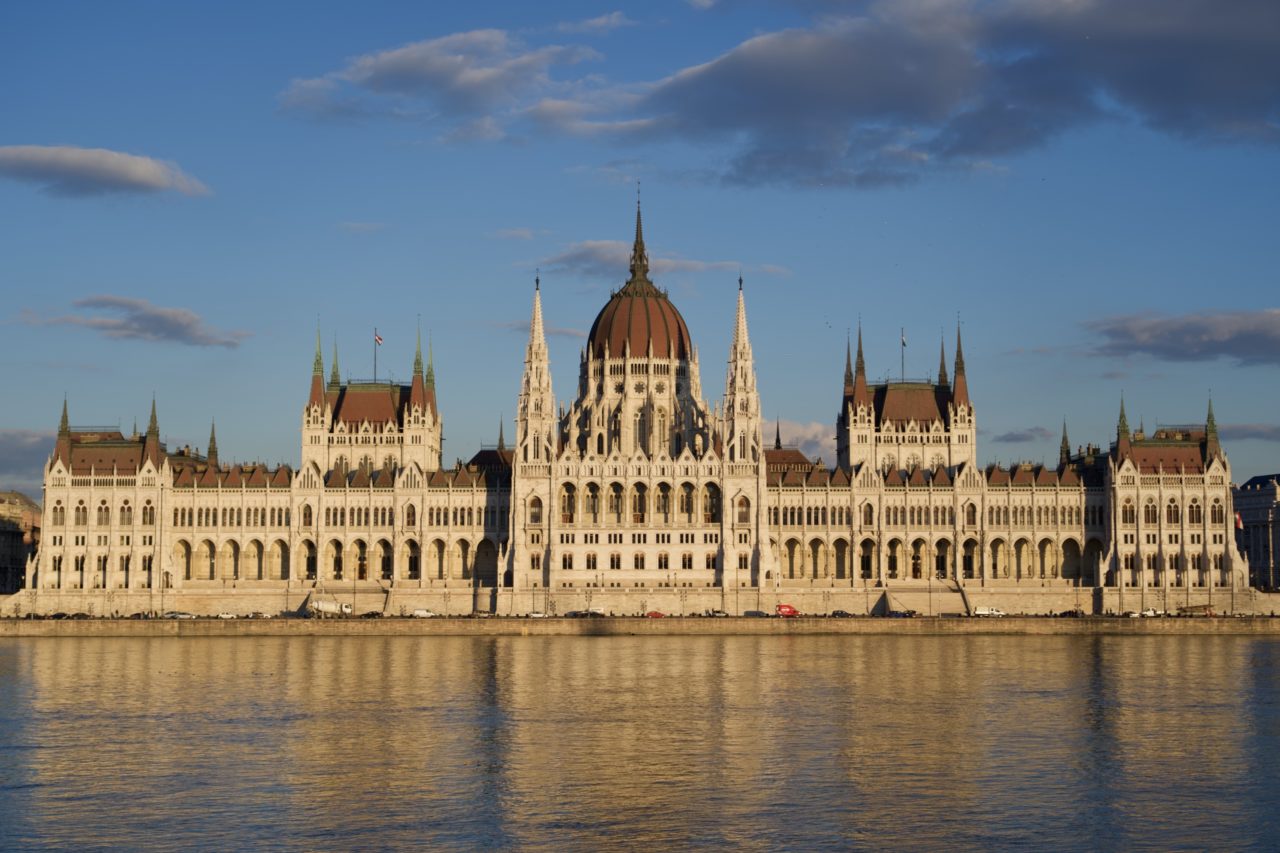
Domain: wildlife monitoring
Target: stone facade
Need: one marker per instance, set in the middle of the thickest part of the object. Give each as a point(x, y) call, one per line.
point(1258, 531)
point(19, 538)
point(638, 493)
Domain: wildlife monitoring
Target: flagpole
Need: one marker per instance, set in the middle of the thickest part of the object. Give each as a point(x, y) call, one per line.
point(902, 353)
point(375, 353)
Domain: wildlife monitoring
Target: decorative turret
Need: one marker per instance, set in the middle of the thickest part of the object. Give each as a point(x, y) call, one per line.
point(502, 441)
point(213, 445)
point(861, 394)
point(418, 384)
point(741, 399)
point(1122, 432)
point(1064, 450)
point(942, 363)
point(960, 387)
point(536, 416)
point(848, 367)
point(151, 445)
point(1212, 447)
point(777, 435)
point(62, 447)
point(316, 398)
point(335, 378)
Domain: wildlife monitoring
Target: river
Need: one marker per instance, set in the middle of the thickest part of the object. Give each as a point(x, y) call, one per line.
point(573, 743)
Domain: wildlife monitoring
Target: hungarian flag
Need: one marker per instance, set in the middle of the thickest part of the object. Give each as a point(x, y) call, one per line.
point(1239, 522)
point(377, 338)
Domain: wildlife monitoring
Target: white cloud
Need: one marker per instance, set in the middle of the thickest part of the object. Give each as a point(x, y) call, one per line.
point(611, 259)
point(815, 440)
point(597, 25)
point(126, 318)
point(69, 171)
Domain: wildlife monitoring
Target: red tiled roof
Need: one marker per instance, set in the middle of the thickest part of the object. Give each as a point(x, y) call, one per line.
point(903, 402)
point(375, 403)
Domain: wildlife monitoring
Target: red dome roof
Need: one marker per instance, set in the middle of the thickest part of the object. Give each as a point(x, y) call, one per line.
point(639, 315)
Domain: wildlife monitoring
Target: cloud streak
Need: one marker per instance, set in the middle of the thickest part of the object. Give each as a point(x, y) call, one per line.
point(64, 170)
point(1247, 337)
point(460, 79)
point(522, 326)
point(125, 318)
point(1249, 432)
point(1024, 435)
point(598, 25)
point(23, 453)
point(815, 440)
point(610, 259)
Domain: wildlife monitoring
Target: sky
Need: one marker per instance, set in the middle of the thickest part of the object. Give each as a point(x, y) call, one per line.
point(1089, 189)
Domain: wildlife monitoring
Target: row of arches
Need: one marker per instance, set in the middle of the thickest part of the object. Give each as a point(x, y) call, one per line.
point(594, 504)
point(102, 514)
point(334, 560)
point(920, 558)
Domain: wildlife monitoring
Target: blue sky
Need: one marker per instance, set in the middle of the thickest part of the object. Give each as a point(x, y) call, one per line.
point(1090, 187)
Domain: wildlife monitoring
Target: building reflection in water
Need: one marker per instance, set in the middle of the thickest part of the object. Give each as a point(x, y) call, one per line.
point(555, 743)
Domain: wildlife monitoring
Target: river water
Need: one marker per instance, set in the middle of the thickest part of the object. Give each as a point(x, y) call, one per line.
point(573, 743)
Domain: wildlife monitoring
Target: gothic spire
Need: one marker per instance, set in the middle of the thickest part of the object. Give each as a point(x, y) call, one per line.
point(861, 393)
point(64, 425)
point(741, 342)
point(417, 355)
point(942, 362)
point(1064, 450)
point(431, 364)
point(1122, 428)
point(213, 444)
point(960, 383)
point(502, 442)
point(317, 366)
point(848, 366)
point(639, 257)
point(335, 377)
point(1212, 445)
point(777, 435)
point(153, 426)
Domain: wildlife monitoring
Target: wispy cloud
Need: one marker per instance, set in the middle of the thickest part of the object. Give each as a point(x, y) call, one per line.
point(522, 326)
point(815, 440)
point(64, 170)
point(1024, 435)
point(362, 227)
point(23, 453)
point(1248, 337)
point(464, 80)
point(125, 318)
point(610, 259)
point(598, 25)
point(1247, 432)
point(514, 233)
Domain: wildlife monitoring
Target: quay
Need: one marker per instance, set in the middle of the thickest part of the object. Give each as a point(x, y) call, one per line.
point(628, 626)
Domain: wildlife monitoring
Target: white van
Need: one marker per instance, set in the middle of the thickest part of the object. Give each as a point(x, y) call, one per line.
point(987, 611)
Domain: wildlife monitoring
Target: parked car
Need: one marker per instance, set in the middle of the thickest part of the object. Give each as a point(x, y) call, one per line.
point(178, 614)
point(371, 614)
point(421, 613)
point(655, 614)
point(225, 615)
point(537, 614)
point(786, 611)
point(758, 614)
point(903, 614)
point(841, 614)
point(716, 613)
point(988, 612)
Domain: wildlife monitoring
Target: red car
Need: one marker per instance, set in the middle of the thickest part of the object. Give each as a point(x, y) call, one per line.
point(655, 614)
point(786, 611)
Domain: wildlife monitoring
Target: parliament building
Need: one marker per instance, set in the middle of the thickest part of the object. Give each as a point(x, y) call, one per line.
point(635, 494)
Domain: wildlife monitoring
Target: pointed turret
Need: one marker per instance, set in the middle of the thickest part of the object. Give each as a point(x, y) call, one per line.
point(213, 445)
point(535, 419)
point(861, 393)
point(418, 383)
point(1064, 449)
point(429, 380)
point(62, 447)
point(942, 363)
point(848, 368)
point(502, 441)
point(335, 377)
point(1122, 432)
point(151, 445)
point(316, 397)
point(1212, 446)
point(777, 435)
point(960, 385)
point(639, 257)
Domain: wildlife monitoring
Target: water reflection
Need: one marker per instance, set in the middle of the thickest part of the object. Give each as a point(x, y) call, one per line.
point(568, 742)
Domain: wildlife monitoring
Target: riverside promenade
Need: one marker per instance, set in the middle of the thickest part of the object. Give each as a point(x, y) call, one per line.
point(627, 626)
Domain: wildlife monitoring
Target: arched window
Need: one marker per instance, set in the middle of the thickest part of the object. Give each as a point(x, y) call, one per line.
point(411, 516)
point(535, 511)
point(1217, 515)
point(1150, 515)
point(568, 503)
point(306, 515)
point(1128, 514)
point(970, 515)
point(868, 515)
point(686, 502)
point(639, 503)
point(711, 504)
point(126, 515)
point(1195, 513)
point(104, 515)
point(1172, 513)
point(744, 511)
point(593, 503)
point(615, 503)
point(59, 514)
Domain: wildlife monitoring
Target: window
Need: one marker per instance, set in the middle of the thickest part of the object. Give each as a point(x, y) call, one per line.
point(566, 562)
point(638, 562)
point(711, 561)
point(686, 561)
point(615, 561)
point(104, 515)
point(1195, 513)
point(126, 515)
point(664, 562)
point(535, 511)
point(744, 511)
point(1172, 513)
point(868, 515)
point(591, 562)
point(568, 503)
point(1150, 515)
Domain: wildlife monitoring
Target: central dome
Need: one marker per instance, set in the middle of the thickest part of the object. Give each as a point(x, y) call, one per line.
point(639, 315)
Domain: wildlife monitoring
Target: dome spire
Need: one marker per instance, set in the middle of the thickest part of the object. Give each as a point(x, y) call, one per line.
point(639, 257)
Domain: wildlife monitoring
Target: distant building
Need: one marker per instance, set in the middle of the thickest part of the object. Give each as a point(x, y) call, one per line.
point(19, 538)
point(637, 492)
point(1258, 503)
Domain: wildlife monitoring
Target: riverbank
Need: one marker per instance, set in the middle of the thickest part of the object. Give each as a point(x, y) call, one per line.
point(632, 626)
